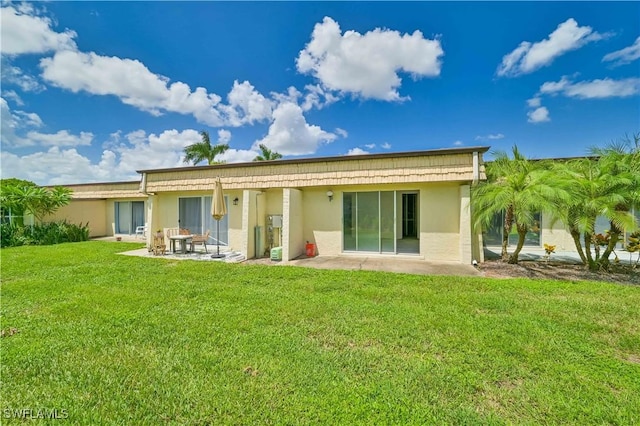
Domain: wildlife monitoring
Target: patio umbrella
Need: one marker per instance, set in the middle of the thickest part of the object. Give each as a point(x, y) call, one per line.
point(218, 210)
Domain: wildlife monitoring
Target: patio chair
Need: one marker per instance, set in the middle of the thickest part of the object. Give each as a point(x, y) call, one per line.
point(200, 239)
point(141, 230)
point(184, 231)
point(158, 246)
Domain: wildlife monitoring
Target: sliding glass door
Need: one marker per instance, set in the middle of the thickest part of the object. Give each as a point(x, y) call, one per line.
point(194, 214)
point(128, 216)
point(370, 221)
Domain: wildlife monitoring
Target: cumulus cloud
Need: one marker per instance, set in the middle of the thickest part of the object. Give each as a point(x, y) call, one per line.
point(24, 32)
point(539, 115)
point(246, 105)
point(594, 89)
point(61, 138)
point(534, 102)
point(56, 167)
point(15, 76)
point(290, 134)
point(458, 143)
point(528, 57)
point(357, 151)
point(490, 137)
point(132, 82)
point(386, 145)
point(367, 65)
point(370, 145)
point(624, 56)
point(11, 94)
point(16, 123)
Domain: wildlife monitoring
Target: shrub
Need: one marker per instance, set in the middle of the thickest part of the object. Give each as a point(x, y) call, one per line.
point(43, 234)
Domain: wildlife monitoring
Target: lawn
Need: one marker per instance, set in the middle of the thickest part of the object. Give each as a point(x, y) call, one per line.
point(111, 339)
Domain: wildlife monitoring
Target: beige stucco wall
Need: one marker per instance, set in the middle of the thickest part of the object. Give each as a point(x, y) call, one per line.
point(440, 222)
point(323, 220)
point(293, 224)
point(79, 212)
point(556, 235)
point(439, 218)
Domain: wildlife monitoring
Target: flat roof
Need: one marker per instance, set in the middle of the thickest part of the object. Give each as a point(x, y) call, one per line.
point(431, 152)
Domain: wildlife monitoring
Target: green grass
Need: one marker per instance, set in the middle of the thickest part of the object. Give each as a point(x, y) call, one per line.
point(124, 340)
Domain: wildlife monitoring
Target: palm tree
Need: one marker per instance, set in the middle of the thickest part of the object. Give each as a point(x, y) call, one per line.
point(521, 189)
point(606, 186)
point(266, 154)
point(203, 150)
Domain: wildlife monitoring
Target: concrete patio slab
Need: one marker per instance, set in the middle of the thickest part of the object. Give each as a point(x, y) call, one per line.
point(386, 263)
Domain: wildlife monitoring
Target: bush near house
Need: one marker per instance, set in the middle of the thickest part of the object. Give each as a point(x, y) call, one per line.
point(13, 235)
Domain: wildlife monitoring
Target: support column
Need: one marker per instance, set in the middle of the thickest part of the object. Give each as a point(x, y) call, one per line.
point(466, 245)
point(292, 224)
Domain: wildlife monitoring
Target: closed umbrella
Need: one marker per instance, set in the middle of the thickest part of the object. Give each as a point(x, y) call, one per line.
point(218, 210)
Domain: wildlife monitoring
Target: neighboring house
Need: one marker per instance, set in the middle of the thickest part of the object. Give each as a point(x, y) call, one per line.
point(407, 203)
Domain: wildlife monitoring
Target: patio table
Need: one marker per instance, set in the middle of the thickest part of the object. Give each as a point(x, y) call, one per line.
point(184, 241)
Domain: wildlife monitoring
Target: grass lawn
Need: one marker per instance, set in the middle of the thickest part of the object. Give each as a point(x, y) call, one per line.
point(114, 339)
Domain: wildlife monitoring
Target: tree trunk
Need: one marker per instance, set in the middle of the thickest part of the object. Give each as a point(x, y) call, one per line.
point(508, 224)
point(614, 236)
point(592, 265)
point(522, 233)
point(576, 240)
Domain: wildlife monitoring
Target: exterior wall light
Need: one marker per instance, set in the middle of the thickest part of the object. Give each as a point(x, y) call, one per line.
point(330, 195)
point(235, 201)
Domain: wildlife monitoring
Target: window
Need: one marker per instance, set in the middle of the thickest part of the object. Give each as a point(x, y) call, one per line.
point(492, 235)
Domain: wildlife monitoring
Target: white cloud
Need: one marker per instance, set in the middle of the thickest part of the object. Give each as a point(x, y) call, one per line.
point(131, 82)
point(238, 155)
point(57, 166)
point(534, 102)
point(370, 145)
point(14, 75)
point(289, 133)
point(624, 56)
point(341, 132)
point(61, 138)
point(490, 137)
point(594, 89)
point(538, 115)
point(24, 33)
point(246, 105)
point(19, 122)
point(458, 143)
point(316, 97)
point(386, 145)
point(528, 57)
point(11, 94)
point(224, 136)
point(367, 65)
point(357, 151)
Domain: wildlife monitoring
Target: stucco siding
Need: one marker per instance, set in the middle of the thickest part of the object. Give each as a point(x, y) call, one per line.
point(440, 223)
point(79, 212)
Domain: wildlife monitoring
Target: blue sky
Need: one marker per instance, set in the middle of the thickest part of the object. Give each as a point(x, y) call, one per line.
point(93, 91)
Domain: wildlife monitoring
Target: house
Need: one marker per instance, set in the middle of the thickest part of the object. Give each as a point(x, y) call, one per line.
point(406, 203)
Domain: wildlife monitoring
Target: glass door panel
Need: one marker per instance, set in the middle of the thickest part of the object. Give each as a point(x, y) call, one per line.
point(387, 222)
point(368, 225)
point(349, 221)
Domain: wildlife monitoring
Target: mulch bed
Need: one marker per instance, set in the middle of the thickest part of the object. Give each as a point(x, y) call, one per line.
point(622, 274)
